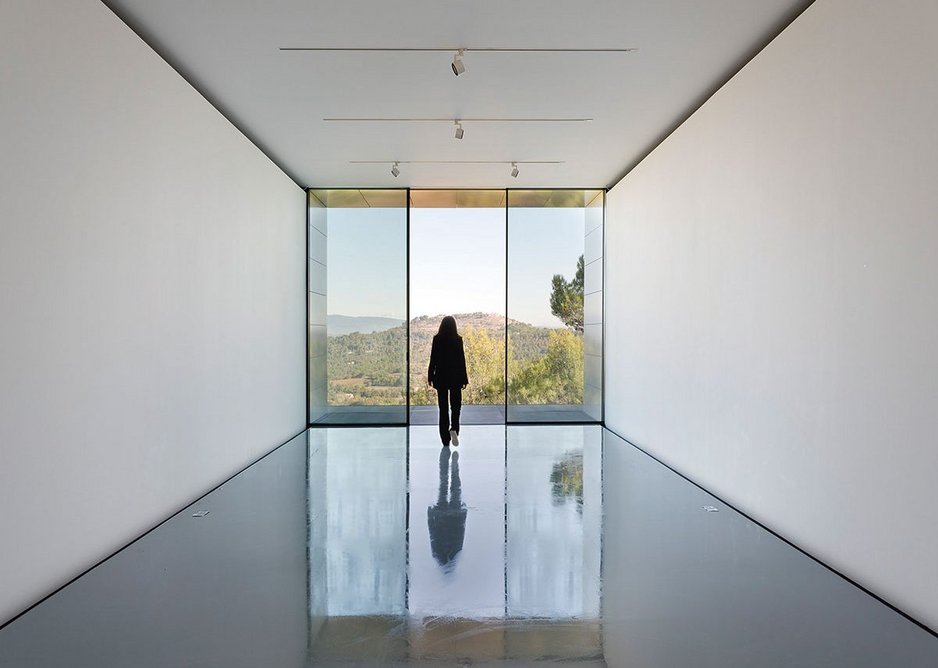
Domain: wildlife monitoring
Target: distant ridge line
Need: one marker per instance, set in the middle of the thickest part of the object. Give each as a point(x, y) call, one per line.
point(341, 325)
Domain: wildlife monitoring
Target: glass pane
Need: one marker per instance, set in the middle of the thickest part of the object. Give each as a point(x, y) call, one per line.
point(554, 292)
point(554, 521)
point(316, 297)
point(457, 268)
point(593, 288)
point(358, 306)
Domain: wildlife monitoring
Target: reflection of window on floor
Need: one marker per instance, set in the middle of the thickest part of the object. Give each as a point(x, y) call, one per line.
point(520, 577)
point(554, 519)
point(358, 558)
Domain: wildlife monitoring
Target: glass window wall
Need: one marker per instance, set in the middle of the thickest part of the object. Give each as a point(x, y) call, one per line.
point(457, 268)
point(358, 326)
point(554, 296)
point(520, 270)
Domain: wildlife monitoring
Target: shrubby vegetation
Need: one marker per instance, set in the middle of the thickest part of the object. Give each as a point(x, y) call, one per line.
point(545, 365)
point(554, 378)
point(367, 369)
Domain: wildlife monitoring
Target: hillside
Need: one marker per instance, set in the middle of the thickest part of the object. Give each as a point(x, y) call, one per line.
point(368, 368)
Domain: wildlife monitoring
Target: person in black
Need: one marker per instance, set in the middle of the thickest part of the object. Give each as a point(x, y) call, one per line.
point(447, 373)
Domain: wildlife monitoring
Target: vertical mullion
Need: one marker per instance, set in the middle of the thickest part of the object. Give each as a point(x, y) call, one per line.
point(407, 412)
point(407, 315)
point(407, 519)
point(506, 309)
point(602, 347)
point(505, 519)
point(306, 299)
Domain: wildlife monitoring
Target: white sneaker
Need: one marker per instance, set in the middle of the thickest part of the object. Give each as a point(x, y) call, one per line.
point(454, 437)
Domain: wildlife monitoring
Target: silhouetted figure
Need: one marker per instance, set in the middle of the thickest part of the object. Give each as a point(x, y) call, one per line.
point(447, 373)
point(447, 519)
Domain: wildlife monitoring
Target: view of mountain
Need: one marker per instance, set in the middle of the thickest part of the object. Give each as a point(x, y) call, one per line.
point(339, 325)
point(368, 367)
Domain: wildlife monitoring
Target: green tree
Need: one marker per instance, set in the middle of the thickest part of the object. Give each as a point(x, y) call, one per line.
point(566, 298)
point(485, 363)
point(555, 378)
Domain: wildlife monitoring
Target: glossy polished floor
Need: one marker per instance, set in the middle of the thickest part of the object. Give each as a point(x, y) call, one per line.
point(524, 546)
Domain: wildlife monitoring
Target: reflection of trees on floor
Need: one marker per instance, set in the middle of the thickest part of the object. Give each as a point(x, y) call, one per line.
point(566, 480)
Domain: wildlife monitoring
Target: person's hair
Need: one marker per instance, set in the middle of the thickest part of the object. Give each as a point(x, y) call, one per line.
point(448, 328)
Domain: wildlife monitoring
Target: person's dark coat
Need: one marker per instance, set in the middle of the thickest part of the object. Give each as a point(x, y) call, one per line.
point(447, 363)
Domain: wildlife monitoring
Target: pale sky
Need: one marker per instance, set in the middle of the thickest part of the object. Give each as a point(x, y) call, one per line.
point(541, 243)
point(366, 262)
point(457, 260)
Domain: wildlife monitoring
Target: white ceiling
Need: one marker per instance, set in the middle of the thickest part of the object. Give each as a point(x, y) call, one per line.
point(230, 51)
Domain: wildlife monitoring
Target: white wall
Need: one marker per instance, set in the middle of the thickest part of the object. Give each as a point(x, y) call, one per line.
point(771, 294)
point(151, 291)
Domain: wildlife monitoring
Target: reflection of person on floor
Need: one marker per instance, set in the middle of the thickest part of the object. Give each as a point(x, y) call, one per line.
point(447, 373)
point(447, 519)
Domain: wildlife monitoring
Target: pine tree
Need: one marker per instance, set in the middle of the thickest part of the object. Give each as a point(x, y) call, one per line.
point(566, 298)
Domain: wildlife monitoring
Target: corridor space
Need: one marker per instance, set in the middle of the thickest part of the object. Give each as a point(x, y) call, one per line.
point(526, 545)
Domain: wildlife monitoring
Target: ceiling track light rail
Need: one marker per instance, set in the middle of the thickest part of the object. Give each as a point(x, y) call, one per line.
point(459, 131)
point(396, 164)
point(456, 162)
point(386, 119)
point(460, 51)
point(458, 64)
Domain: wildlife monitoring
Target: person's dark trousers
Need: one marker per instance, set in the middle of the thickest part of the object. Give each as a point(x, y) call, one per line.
point(445, 398)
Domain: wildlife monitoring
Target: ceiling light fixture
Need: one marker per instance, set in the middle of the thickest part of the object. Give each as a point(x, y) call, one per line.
point(458, 66)
point(395, 170)
point(514, 170)
point(459, 131)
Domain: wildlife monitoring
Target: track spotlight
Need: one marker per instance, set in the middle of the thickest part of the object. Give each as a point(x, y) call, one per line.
point(514, 170)
point(395, 170)
point(458, 66)
point(459, 131)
